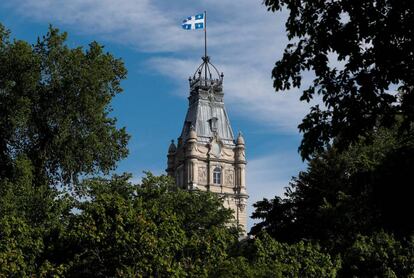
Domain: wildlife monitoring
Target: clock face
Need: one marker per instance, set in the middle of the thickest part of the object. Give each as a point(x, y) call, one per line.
point(215, 149)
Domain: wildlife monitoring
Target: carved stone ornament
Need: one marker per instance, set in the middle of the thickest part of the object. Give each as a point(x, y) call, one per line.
point(201, 149)
point(202, 174)
point(228, 152)
point(215, 148)
point(242, 204)
point(229, 177)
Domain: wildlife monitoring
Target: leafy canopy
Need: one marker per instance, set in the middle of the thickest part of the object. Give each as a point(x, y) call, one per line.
point(146, 230)
point(55, 105)
point(341, 194)
point(358, 51)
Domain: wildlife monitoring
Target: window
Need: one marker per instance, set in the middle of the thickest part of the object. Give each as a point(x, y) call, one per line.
point(213, 124)
point(217, 175)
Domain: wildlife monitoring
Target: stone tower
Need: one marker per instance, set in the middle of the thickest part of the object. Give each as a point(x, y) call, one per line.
point(206, 156)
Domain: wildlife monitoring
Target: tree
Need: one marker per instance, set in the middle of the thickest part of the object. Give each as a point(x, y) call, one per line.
point(265, 257)
point(146, 230)
point(54, 108)
point(380, 255)
point(342, 194)
point(359, 51)
point(54, 127)
point(30, 218)
point(355, 204)
point(113, 228)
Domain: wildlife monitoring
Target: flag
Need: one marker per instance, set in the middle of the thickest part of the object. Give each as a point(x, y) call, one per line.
point(194, 22)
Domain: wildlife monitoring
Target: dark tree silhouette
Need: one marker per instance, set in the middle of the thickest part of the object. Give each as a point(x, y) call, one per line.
point(374, 42)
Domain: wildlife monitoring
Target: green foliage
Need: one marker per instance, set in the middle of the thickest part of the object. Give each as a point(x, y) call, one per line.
point(265, 257)
point(379, 256)
point(115, 228)
point(152, 229)
point(54, 108)
point(112, 228)
point(352, 202)
point(18, 247)
point(354, 198)
point(29, 217)
point(358, 51)
point(341, 194)
point(54, 126)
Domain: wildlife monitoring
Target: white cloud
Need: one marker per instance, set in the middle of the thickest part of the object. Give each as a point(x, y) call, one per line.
point(244, 39)
point(140, 24)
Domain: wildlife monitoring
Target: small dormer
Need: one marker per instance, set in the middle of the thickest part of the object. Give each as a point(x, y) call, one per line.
point(213, 122)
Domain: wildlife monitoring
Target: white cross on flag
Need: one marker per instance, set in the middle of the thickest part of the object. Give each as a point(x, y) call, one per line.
point(194, 22)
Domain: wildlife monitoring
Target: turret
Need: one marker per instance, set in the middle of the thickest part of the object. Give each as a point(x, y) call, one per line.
point(240, 140)
point(239, 153)
point(191, 160)
point(171, 159)
point(172, 147)
point(240, 165)
point(191, 142)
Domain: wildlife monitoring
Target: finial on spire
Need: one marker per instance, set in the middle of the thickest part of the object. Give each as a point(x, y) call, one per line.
point(240, 139)
point(172, 147)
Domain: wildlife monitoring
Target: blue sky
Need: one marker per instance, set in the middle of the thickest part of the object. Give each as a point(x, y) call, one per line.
point(244, 42)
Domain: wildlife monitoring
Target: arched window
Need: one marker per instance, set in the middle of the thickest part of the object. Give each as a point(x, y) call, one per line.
point(217, 175)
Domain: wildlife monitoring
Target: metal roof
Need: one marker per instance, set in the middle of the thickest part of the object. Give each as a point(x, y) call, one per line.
point(206, 112)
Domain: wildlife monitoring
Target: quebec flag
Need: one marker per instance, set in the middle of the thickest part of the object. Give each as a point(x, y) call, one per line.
point(194, 22)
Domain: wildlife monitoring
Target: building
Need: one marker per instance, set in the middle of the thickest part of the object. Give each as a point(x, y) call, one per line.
point(207, 156)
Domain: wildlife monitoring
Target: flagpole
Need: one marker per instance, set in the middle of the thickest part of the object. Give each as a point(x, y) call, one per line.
point(205, 34)
point(205, 45)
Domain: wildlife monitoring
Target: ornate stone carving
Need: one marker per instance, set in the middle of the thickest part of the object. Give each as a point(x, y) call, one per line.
point(202, 174)
point(228, 152)
point(215, 149)
point(229, 177)
point(202, 149)
point(242, 206)
point(241, 203)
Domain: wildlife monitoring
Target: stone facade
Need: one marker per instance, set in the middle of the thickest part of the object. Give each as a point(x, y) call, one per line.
point(206, 156)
